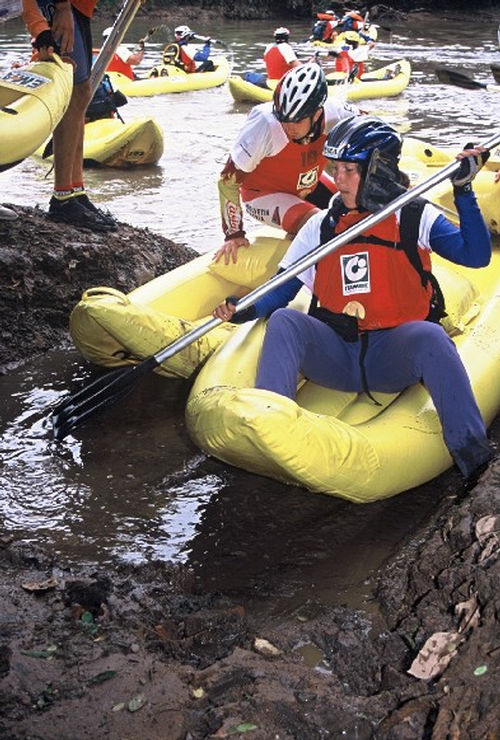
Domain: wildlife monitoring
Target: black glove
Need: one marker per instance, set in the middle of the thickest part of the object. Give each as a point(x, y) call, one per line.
point(248, 314)
point(44, 40)
point(469, 167)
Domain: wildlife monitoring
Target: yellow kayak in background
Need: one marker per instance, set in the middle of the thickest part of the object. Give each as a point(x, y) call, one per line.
point(110, 142)
point(170, 79)
point(387, 81)
point(33, 99)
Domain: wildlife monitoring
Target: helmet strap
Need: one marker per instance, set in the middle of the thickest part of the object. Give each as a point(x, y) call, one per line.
point(315, 130)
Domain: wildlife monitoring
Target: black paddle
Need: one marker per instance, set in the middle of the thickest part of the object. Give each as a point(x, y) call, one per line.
point(459, 79)
point(109, 389)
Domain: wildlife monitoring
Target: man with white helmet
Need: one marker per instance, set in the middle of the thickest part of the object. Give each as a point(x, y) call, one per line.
point(276, 164)
point(279, 56)
point(124, 58)
point(190, 54)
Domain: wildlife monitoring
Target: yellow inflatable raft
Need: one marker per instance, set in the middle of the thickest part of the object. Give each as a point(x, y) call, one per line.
point(387, 81)
point(111, 143)
point(33, 100)
point(342, 443)
point(418, 161)
point(170, 79)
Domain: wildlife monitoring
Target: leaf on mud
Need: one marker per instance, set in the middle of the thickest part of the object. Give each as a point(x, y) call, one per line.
point(198, 693)
point(435, 655)
point(264, 647)
point(480, 670)
point(486, 526)
point(101, 677)
point(136, 703)
point(468, 612)
point(34, 586)
point(118, 707)
point(242, 728)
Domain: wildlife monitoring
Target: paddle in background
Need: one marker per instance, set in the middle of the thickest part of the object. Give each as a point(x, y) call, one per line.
point(111, 388)
point(459, 79)
point(227, 47)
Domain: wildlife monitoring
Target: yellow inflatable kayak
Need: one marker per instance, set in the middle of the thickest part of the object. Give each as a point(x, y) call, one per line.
point(387, 81)
point(111, 143)
point(170, 79)
point(341, 443)
point(33, 100)
point(418, 161)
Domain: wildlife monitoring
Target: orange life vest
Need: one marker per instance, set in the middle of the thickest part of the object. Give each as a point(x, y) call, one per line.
point(295, 169)
point(378, 277)
point(276, 65)
point(118, 65)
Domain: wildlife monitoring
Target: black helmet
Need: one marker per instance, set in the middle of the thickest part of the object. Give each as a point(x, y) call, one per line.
point(281, 34)
point(355, 139)
point(300, 93)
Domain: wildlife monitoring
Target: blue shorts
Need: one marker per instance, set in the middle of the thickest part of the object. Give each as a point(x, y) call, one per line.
point(82, 48)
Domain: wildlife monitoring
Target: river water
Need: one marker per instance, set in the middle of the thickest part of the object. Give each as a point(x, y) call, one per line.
point(131, 485)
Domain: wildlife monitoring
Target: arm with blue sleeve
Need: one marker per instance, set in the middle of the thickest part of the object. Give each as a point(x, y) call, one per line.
point(468, 245)
point(264, 307)
point(203, 54)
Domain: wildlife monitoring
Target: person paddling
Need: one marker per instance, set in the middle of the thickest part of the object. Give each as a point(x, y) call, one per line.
point(373, 324)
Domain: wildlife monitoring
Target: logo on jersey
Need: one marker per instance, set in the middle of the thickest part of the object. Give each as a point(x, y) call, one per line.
point(233, 217)
point(307, 179)
point(355, 273)
point(276, 219)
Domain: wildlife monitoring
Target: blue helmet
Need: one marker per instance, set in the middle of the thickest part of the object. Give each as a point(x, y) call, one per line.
point(355, 139)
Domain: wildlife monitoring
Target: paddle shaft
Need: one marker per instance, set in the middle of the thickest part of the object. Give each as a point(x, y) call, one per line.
point(317, 254)
point(120, 26)
point(459, 79)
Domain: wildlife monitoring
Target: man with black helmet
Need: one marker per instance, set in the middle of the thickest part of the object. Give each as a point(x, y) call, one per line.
point(276, 164)
point(373, 324)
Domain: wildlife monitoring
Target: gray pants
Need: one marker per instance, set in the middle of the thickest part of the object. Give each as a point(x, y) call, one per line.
point(418, 351)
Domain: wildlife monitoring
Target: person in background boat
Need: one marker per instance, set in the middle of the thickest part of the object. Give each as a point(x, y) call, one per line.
point(279, 57)
point(190, 54)
point(276, 164)
point(325, 28)
point(373, 324)
point(124, 58)
point(63, 27)
point(350, 54)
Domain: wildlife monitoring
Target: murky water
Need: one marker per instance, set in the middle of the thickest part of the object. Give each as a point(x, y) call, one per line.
point(131, 484)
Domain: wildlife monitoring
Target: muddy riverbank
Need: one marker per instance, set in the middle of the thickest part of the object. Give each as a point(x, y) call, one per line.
point(141, 651)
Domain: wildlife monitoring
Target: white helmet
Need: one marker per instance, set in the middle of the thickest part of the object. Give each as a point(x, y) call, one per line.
point(183, 33)
point(300, 93)
point(281, 34)
point(106, 32)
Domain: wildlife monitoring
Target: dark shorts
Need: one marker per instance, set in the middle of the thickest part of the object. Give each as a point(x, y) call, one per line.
point(82, 48)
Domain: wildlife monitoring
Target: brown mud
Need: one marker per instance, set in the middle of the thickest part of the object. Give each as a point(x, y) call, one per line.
point(141, 652)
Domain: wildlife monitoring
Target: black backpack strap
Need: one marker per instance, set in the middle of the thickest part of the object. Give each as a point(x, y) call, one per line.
point(409, 226)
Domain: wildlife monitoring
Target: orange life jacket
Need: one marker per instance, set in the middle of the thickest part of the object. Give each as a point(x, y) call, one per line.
point(380, 278)
point(276, 65)
point(295, 169)
point(118, 65)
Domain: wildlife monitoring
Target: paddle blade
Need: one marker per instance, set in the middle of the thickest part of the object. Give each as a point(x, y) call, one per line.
point(100, 394)
point(495, 71)
point(452, 77)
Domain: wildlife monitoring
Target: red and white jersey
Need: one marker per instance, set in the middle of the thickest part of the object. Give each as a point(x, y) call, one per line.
point(272, 162)
point(278, 58)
